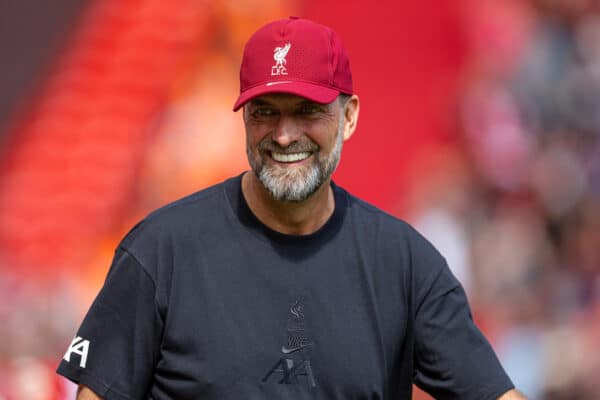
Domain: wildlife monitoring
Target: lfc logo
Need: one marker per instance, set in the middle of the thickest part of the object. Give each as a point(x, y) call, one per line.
point(279, 57)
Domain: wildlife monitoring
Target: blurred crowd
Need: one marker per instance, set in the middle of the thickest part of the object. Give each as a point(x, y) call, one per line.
point(124, 123)
point(513, 202)
point(515, 205)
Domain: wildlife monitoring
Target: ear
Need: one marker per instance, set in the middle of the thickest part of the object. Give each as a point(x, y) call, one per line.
point(351, 111)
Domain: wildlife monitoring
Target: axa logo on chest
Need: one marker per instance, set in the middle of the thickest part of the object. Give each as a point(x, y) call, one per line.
point(289, 372)
point(80, 347)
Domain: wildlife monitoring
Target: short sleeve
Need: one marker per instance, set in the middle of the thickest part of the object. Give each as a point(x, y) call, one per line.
point(453, 359)
point(116, 347)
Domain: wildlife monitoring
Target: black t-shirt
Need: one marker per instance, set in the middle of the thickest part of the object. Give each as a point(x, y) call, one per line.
point(203, 301)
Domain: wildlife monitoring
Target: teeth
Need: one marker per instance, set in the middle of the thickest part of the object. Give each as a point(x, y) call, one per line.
point(292, 157)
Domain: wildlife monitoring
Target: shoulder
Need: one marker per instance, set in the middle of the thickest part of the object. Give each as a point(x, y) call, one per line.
point(178, 225)
point(373, 219)
point(178, 216)
point(396, 239)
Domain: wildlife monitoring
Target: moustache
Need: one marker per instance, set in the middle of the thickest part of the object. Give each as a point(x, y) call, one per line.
point(294, 147)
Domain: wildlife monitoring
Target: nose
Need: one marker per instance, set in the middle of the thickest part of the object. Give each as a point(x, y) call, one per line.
point(286, 131)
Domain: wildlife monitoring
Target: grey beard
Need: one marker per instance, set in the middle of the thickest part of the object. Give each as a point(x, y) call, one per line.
point(292, 186)
point(298, 184)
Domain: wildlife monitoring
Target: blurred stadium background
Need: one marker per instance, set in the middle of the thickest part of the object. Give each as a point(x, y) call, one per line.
point(480, 125)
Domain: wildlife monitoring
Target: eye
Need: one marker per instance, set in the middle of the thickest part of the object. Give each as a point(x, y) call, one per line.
point(263, 112)
point(309, 109)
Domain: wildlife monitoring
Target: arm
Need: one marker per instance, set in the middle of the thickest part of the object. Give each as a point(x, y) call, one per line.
point(85, 393)
point(453, 359)
point(116, 347)
point(512, 395)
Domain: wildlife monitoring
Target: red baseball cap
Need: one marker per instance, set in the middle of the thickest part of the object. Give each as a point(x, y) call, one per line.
point(294, 56)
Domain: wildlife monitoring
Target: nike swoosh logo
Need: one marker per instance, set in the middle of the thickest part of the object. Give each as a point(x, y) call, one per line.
point(288, 350)
point(277, 83)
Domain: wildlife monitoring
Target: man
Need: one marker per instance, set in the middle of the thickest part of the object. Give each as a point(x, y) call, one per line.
point(278, 284)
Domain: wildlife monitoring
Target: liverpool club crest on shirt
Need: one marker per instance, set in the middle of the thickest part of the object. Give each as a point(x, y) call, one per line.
point(279, 54)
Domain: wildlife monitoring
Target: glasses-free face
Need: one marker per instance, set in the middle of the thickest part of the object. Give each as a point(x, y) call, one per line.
point(293, 144)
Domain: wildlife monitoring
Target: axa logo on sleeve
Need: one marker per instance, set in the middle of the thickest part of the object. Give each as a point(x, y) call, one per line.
point(80, 347)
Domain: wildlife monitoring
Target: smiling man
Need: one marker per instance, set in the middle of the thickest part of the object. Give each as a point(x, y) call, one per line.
point(289, 129)
point(278, 284)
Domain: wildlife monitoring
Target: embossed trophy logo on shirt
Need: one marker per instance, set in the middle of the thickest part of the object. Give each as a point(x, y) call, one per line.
point(295, 366)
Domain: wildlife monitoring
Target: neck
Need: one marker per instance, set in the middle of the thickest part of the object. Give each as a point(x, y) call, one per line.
point(292, 218)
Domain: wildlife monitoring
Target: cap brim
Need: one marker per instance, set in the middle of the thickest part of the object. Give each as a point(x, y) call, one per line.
point(317, 93)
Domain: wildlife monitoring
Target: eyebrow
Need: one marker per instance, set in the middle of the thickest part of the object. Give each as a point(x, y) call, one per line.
point(260, 102)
